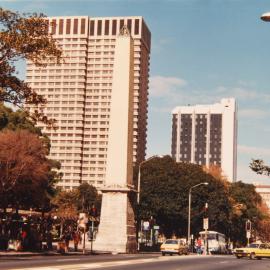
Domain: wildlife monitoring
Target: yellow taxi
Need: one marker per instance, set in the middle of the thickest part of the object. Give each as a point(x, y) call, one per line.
point(174, 246)
point(253, 251)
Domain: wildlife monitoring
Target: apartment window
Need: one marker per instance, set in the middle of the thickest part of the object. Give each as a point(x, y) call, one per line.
point(83, 26)
point(122, 22)
point(99, 29)
point(75, 26)
point(114, 27)
point(129, 25)
point(68, 26)
point(107, 27)
point(137, 26)
point(61, 25)
point(53, 25)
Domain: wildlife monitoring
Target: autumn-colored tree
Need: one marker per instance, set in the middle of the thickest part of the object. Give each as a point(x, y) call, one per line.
point(24, 169)
point(24, 37)
point(65, 203)
point(69, 202)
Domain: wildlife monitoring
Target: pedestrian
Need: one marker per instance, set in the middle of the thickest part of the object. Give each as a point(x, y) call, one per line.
point(76, 239)
point(67, 238)
point(199, 246)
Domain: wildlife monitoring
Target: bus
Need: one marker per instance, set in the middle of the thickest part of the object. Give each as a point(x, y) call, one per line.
point(216, 241)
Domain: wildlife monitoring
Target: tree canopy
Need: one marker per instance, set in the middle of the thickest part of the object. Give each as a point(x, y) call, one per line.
point(81, 199)
point(24, 169)
point(165, 187)
point(23, 37)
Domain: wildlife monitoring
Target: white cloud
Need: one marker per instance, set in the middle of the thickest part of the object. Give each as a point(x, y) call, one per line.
point(165, 86)
point(256, 152)
point(254, 113)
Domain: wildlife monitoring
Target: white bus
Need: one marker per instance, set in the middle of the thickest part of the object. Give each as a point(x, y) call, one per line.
point(216, 241)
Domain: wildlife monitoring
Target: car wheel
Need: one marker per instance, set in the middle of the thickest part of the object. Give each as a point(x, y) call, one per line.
point(252, 256)
point(258, 258)
point(238, 257)
point(170, 254)
point(163, 253)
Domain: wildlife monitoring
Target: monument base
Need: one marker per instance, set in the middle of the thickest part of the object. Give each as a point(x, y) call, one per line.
point(117, 232)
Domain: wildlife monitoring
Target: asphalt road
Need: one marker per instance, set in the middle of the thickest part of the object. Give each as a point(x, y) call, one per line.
point(133, 262)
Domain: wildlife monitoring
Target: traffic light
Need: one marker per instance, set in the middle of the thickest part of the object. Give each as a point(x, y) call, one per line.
point(248, 225)
point(205, 214)
point(93, 211)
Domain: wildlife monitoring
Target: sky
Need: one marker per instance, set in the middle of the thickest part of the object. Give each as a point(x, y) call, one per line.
point(202, 51)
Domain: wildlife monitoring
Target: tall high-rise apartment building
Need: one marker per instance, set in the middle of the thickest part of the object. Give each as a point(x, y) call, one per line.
point(206, 135)
point(78, 93)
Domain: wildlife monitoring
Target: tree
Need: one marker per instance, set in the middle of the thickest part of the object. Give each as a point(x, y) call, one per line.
point(65, 203)
point(164, 195)
point(24, 37)
point(258, 166)
point(246, 204)
point(87, 197)
point(24, 169)
point(165, 187)
point(81, 199)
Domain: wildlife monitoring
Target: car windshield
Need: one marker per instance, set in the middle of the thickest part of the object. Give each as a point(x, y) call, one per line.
point(253, 245)
point(171, 241)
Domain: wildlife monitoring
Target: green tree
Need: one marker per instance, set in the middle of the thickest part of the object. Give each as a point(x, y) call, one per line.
point(24, 37)
point(165, 186)
point(87, 197)
point(246, 203)
point(164, 195)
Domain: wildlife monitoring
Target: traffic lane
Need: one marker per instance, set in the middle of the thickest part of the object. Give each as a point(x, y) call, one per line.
point(193, 263)
point(39, 261)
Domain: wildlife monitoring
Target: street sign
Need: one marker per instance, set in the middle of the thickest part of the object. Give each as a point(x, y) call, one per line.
point(146, 225)
point(205, 223)
point(83, 220)
point(156, 227)
point(248, 234)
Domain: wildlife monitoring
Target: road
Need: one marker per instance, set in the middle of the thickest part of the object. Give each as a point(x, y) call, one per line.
point(133, 262)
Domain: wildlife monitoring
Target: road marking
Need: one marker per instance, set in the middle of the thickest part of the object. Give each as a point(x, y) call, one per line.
point(66, 260)
point(83, 266)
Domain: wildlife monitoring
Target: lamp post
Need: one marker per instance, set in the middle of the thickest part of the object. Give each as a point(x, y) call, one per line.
point(189, 207)
point(139, 192)
point(265, 17)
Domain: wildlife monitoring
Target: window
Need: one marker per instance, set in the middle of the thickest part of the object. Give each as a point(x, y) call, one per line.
point(82, 26)
point(99, 30)
point(75, 26)
point(107, 27)
point(61, 25)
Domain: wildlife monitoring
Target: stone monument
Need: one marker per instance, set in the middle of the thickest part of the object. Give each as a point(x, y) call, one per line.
point(117, 231)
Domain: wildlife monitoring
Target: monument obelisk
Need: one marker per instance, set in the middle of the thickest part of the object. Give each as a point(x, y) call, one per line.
point(117, 229)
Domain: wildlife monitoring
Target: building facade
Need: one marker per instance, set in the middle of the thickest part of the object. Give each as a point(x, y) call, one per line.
point(78, 93)
point(206, 135)
point(264, 191)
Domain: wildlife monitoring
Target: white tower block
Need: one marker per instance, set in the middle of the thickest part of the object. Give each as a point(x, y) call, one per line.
point(116, 229)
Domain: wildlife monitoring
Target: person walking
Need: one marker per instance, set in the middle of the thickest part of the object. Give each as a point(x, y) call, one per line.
point(76, 239)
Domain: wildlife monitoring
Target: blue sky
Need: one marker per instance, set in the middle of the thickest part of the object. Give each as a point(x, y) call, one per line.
point(202, 51)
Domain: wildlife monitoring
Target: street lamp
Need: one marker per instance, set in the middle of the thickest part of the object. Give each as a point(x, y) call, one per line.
point(265, 17)
point(189, 206)
point(139, 191)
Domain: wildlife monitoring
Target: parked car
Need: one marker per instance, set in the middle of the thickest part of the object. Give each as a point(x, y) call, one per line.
point(174, 246)
point(254, 250)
